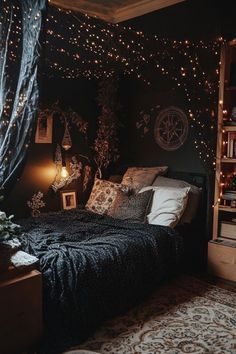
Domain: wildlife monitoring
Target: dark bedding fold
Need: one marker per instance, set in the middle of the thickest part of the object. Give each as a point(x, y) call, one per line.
point(95, 267)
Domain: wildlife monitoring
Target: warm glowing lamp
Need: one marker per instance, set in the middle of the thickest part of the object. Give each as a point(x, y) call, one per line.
point(64, 172)
point(66, 147)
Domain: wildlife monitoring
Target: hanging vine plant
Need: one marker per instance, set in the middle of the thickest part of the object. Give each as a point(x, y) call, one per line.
point(69, 117)
point(106, 144)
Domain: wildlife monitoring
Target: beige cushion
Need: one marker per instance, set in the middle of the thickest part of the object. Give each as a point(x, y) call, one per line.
point(103, 195)
point(193, 197)
point(138, 177)
point(168, 205)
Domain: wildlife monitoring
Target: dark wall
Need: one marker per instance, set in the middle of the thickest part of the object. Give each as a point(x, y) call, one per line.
point(39, 171)
point(190, 19)
point(138, 149)
point(200, 19)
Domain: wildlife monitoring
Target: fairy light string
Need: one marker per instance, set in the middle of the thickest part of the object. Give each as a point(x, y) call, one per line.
point(80, 46)
point(97, 49)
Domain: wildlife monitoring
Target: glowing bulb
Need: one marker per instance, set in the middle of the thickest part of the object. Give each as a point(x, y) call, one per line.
point(64, 172)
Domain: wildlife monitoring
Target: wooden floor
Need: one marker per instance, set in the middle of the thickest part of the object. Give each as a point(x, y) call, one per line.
point(222, 283)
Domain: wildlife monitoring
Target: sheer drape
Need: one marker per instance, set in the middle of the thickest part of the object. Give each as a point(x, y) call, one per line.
point(20, 25)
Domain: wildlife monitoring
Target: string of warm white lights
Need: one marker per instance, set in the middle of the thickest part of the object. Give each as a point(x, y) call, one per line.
point(76, 46)
point(93, 49)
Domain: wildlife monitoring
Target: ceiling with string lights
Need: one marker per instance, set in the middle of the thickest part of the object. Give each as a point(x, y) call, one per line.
point(114, 11)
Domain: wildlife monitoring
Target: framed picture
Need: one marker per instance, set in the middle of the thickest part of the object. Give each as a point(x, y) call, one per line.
point(44, 129)
point(68, 199)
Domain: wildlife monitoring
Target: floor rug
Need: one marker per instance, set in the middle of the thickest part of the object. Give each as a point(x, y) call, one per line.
point(187, 315)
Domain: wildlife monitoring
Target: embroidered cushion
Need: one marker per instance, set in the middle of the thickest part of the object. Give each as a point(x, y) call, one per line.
point(131, 207)
point(103, 195)
point(138, 177)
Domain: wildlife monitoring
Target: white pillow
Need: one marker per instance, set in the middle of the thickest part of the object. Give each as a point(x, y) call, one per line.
point(168, 205)
point(193, 197)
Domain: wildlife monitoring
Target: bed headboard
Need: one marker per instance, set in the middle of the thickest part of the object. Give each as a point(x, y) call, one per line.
point(204, 217)
point(197, 234)
point(197, 179)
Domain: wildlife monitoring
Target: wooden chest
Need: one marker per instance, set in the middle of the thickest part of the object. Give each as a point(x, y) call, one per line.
point(20, 312)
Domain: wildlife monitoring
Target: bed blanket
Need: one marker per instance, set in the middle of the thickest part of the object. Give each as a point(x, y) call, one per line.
point(95, 267)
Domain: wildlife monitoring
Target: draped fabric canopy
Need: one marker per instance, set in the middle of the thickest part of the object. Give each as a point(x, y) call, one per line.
point(20, 25)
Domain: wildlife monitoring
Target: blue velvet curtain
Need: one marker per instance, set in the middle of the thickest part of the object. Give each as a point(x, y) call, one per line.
point(20, 26)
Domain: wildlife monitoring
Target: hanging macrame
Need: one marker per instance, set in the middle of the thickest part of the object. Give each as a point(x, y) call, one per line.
point(58, 156)
point(66, 141)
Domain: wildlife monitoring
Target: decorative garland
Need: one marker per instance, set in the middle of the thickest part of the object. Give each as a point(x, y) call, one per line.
point(36, 203)
point(87, 177)
point(106, 144)
point(69, 116)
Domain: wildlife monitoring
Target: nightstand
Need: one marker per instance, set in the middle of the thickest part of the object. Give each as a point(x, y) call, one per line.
point(222, 259)
point(21, 311)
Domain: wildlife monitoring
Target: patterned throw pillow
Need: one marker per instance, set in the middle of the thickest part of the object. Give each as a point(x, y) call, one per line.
point(131, 207)
point(138, 177)
point(103, 195)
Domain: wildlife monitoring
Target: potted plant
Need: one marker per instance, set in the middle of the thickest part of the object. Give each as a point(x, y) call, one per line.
point(8, 232)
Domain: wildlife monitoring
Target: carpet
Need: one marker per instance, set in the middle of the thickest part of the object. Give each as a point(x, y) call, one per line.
point(187, 315)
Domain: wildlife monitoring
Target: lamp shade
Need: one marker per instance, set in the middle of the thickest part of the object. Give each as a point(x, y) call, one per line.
point(66, 141)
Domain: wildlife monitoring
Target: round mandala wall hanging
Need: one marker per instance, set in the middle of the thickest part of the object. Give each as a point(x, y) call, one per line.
point(171, 128)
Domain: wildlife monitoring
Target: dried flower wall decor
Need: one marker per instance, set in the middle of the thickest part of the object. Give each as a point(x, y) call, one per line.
point(144, 119)
point(69, 116)
point(87, 176)
point(36, 203)
point(106, 144)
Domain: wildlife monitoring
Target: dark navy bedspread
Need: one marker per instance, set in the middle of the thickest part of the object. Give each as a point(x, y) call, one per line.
point(94, 266)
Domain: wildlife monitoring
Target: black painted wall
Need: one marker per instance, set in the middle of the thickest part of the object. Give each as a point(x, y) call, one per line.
point(144, 151)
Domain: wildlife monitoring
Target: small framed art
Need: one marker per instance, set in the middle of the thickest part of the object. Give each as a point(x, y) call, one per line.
point(44, 129)
point(68, 199)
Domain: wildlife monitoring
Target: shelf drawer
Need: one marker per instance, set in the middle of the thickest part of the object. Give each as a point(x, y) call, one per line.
point(21, 312)
point(222, 261)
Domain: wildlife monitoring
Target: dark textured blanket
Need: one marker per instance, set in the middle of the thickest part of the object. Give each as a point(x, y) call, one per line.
point(94, 266)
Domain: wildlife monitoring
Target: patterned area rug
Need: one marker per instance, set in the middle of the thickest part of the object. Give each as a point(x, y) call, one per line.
point(186, 315)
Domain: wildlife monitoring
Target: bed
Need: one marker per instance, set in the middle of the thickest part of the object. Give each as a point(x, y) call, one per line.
point(95, 267)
